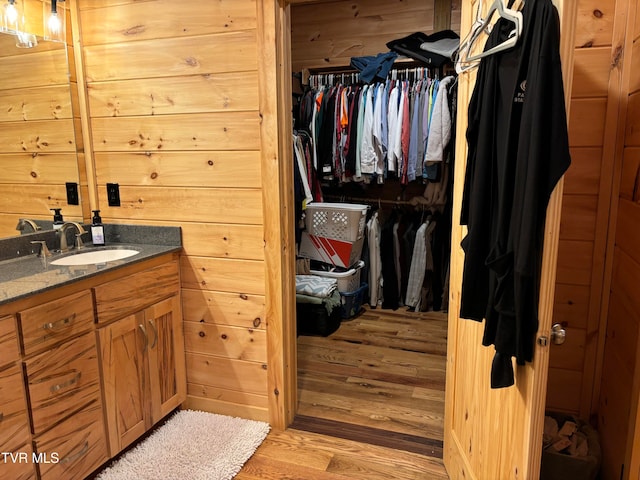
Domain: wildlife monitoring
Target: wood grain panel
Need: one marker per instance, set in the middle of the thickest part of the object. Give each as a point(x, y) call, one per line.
point(29, 200)
point(614, 412)
point(324, 35)
point(632, 137)
point(594, 25)
point(586, 122)
point(223, 275)
point(14, 425)
point(146, 21)
point(625, 280)
point(250, 410)
point(561, 390)
point(236, 375)
point(226, 341)
point(628, 229)
point(38, 136)
point(80, 444)
point(37, 103)
point(48, 67)
point(126, 295)
point(591, 72)
point(221, 308)
point(583, 176)
point(227, 396)
point(244, 242)
point(575, 259)
point(623, 328)
point(579, 214)
point(634, 85)
point(571, 305)
point(204, 169)
point(224, 131)
point(160, 96)
point(220, 205)
point(630, 178)
point(62, 380)
point(38, 168)
point(52, 322)
point(225, 52)
point(9, 351)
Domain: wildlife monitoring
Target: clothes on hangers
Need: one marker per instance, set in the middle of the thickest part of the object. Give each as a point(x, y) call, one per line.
point(376, 131)
point(518, 150)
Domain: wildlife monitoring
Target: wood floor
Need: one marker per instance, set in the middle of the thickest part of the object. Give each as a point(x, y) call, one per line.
point(371, 403)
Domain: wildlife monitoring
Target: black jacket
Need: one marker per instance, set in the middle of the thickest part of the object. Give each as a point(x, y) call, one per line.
point(518, 150)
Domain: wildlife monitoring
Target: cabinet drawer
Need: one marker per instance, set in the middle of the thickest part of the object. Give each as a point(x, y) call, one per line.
point(14, 423)
point(79, 444)
point(9, 351)
point(119, 298)
point(62, 380)
point(52, 322)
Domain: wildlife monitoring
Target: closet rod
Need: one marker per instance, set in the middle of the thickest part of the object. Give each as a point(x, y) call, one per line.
point(373, 201)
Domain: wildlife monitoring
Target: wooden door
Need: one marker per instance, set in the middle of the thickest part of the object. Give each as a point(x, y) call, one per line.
point(167, 377)
point(122, 346)
point(496, 434)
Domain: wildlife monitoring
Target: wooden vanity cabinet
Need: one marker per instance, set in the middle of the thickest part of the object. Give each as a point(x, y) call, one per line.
point(142, 353)
point(60, 359)
point(15, 439)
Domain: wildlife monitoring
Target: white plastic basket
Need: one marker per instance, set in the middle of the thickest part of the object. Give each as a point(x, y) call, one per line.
point(340, 221)
point(347, 281)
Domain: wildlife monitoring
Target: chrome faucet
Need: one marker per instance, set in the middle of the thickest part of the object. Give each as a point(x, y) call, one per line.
point(23, 222)
point(63, 235)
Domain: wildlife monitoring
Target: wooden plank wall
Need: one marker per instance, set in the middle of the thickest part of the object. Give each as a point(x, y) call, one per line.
point(36, 130)
point(174, 117)
point(620, 388)
point(586, 201)
point(329, 33)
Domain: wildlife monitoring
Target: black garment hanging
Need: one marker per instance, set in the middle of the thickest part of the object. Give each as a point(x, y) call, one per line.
point(518, 150)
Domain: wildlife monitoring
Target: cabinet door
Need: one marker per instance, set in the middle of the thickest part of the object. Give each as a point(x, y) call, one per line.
point(79, 444)
point(122, 347)
point(15, 441)
point(166, 357)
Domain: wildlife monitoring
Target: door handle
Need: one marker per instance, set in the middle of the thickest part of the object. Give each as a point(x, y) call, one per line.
point(558, 334)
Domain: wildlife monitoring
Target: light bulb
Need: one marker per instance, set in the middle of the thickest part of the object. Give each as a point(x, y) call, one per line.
point(11, 12)
point(11, 17)
point(54, 24)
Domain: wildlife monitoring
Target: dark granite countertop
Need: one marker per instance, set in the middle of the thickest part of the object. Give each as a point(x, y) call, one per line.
point(23, 273)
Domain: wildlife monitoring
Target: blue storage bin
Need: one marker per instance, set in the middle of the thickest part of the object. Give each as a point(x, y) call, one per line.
point(352, 301)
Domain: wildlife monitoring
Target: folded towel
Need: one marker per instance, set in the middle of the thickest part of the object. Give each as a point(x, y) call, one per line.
point(315, 286)
point(330, 303)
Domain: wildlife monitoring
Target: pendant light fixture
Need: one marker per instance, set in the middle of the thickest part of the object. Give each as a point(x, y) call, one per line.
point(25, 39)
point(54, 27)
point(10, 17)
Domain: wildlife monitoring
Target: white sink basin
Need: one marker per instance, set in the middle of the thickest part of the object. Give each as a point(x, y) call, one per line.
point(95, 256)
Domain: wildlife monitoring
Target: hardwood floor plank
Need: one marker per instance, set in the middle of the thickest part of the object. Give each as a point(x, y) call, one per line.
point(373, 436)
point(371, 403)
point(283, 455)
point(383, 371)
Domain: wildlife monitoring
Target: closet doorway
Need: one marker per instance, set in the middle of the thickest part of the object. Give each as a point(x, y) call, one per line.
point(380, 378)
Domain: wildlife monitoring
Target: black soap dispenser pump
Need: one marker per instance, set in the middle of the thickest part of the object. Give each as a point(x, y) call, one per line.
point(58, 221)
point(97, 229)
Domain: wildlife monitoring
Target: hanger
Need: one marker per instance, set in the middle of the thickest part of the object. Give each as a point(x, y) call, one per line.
point(465, 62)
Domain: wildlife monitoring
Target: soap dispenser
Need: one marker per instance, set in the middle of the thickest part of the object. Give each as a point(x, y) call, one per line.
point(58, 221)
point(97, 229)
